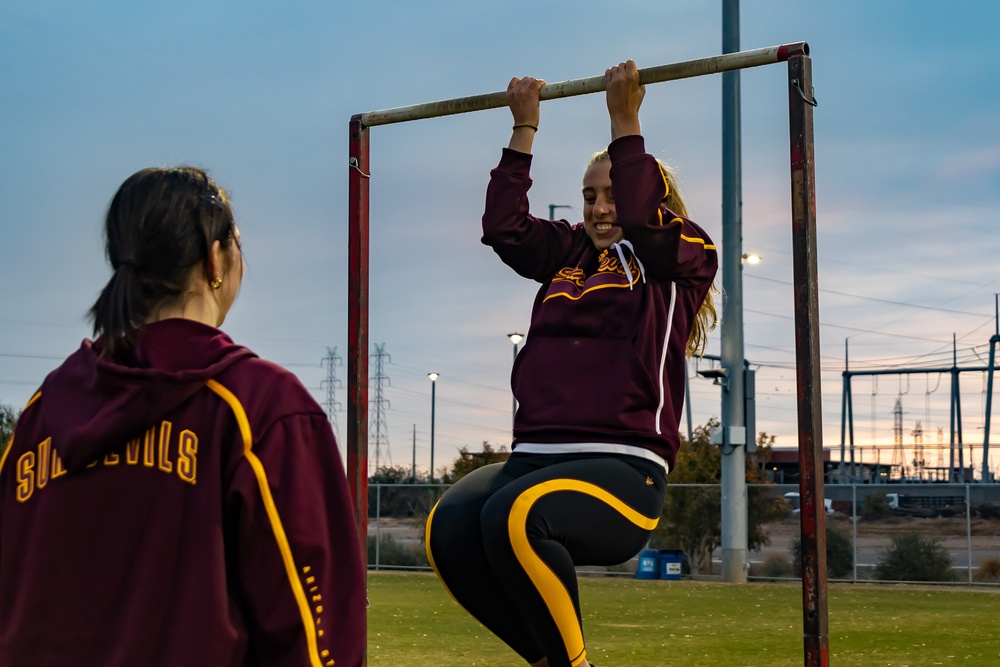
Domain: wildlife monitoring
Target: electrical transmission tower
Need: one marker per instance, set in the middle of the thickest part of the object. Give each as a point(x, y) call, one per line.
point(898, 457)
point(379, 428)
point(940, 447)
point(918, 450)
point(331, 383)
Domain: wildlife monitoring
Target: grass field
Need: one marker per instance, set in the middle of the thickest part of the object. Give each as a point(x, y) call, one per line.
point(631, 623)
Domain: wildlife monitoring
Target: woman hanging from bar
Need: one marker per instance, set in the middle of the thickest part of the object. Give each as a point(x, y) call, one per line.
point(625, 296)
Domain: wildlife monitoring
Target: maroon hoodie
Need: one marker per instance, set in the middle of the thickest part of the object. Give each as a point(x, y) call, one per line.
point(189, 508)
point(604, 358)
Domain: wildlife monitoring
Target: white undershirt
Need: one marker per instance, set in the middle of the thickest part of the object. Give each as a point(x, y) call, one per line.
point(591, 448)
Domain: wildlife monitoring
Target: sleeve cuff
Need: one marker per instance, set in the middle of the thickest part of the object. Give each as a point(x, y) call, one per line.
point(515, 162)
point(626, 147)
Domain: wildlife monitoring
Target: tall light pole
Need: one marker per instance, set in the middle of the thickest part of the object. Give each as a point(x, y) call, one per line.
point(433, 377)
point(734, 432)
point(516, 338)
point(552, 213)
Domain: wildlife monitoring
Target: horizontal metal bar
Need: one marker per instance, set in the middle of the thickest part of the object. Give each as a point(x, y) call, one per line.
point(594, 84)
point(915, 371)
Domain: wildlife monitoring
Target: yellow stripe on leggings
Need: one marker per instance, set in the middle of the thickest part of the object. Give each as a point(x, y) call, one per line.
point(549, 586)
point(430, 556)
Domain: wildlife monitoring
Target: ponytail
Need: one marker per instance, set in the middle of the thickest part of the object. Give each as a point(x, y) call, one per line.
point(159, 226)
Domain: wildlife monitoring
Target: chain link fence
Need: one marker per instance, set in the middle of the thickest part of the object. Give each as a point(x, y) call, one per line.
point(928, 533)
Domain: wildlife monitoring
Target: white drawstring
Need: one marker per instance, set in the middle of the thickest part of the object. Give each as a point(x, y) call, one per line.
point(621, 258)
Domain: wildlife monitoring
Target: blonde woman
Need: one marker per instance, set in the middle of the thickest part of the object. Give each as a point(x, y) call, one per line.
point(625, 296)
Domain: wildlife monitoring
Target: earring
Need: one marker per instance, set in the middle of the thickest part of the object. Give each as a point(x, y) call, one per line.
point(216, 283)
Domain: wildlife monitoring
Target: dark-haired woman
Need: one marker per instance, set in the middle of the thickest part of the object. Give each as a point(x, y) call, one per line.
point(624, 297)
point(168, 497)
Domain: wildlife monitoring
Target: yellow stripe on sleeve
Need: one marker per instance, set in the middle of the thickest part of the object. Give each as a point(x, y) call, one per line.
point(272, 513)
point(10, 444)
point(32, 400)
point(695, 239)
point(549, 586)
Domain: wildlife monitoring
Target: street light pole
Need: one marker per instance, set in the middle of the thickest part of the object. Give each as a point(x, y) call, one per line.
point(734, 435)
point(433, 377)
point(552, 212)
point(516, 338)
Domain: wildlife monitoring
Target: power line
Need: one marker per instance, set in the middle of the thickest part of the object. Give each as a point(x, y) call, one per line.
point(872, 298)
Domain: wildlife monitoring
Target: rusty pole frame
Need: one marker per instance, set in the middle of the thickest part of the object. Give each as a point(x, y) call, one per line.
point(812, 515)
point(803, 186)
point(357, 325)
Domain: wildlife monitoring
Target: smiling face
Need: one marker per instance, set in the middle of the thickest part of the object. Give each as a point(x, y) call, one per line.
point(599, 206)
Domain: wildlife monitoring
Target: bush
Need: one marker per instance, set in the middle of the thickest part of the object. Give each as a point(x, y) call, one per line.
point(914, 557)
point(392, 553)
point(876, 507)
point(989, 511)
point(839, 553)
point(775, 566)
point(989, 571)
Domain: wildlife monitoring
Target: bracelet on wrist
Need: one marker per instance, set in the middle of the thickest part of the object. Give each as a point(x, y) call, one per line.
point(533, 127)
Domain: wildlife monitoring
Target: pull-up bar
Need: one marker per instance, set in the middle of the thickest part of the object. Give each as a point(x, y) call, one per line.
point(806, 293)
point(593, 84)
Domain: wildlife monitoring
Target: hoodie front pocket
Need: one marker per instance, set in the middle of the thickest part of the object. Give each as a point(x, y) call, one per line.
point(594, 383)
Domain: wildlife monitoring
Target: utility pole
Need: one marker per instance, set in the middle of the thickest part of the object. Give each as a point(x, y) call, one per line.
point(380, 404)
point(331, 383)
point(994, 340)
point(734, 435)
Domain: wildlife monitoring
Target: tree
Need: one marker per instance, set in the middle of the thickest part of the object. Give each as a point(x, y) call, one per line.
point(8, 417)
point(691, 519)
point(399, 494)
point(468, 461)
point(839, 553)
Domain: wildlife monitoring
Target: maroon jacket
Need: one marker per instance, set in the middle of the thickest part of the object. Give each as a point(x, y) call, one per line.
point(187, 509)
point(604, 359)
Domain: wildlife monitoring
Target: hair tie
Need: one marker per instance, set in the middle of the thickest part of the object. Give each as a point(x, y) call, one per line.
point(127, 261)
point(214, 200)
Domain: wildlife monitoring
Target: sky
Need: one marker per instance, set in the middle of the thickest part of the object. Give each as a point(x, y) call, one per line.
point(907, 149)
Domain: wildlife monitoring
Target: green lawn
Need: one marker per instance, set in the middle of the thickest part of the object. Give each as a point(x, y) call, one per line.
point(630, 623)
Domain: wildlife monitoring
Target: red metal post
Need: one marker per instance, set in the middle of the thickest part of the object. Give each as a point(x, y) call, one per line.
point(357, 327)
point(806, 289)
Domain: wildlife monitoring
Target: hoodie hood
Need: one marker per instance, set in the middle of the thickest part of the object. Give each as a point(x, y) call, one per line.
point(94, 405)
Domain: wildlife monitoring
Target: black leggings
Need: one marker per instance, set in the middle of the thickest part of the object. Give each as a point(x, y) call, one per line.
point(505, 540)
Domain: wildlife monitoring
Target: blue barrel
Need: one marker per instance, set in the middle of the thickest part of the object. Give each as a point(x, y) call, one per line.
point(670, 564)
point(649, 564)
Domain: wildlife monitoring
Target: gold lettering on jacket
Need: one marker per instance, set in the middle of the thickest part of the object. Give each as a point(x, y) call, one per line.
point(156, 450)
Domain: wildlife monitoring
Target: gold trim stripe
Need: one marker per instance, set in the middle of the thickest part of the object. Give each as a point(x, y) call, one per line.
point(549, 586)
point(695, 239)
point(272, 513)
point(10, 444)
point(591, 289)
point(430, 556)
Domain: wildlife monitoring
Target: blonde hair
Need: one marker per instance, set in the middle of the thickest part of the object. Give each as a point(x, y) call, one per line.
point(707, 317)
